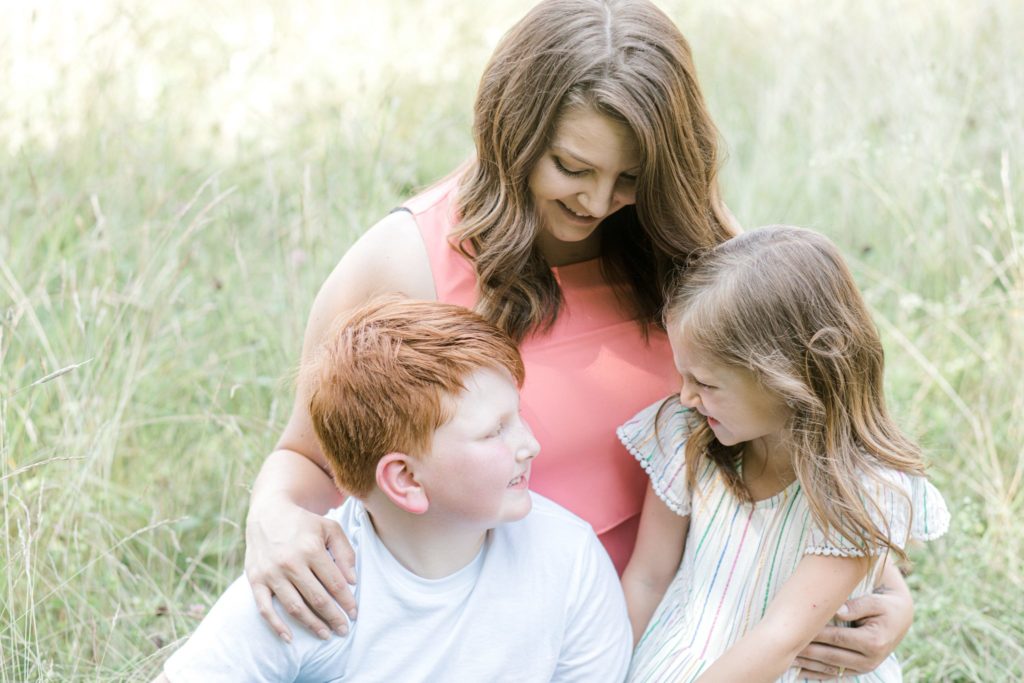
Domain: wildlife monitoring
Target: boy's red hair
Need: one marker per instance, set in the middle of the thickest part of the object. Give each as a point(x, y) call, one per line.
point(383, 379)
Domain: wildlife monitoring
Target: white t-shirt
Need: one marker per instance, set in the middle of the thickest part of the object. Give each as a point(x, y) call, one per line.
point(540, 602)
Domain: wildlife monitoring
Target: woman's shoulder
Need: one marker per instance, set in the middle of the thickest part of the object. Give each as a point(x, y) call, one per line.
point(389, 257)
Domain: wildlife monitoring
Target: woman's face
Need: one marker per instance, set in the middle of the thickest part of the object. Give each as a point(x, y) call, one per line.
point(588, 173)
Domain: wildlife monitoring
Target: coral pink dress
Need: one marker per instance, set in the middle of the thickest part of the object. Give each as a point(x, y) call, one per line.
point(588, 374)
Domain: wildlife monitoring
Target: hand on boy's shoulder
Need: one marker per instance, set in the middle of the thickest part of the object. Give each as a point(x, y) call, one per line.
point(233, 643)
point(572, 622)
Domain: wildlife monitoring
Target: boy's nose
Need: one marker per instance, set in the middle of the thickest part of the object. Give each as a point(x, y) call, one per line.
point(529, 447)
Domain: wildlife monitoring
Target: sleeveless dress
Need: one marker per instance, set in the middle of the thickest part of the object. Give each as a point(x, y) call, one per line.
point(585, 376)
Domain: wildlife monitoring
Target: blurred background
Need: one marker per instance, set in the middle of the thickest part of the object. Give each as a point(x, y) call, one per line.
point(176, 179)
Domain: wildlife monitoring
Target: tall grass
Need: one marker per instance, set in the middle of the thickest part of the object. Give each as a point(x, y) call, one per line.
point(178, 179)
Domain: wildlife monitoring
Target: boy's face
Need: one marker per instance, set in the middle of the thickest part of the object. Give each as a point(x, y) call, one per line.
point(478, 468)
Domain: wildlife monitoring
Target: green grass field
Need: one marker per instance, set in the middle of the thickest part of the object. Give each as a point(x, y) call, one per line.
point(176, 179)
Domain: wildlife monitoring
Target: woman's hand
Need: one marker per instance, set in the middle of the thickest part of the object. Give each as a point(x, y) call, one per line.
point(305, 561)
point(881, 620)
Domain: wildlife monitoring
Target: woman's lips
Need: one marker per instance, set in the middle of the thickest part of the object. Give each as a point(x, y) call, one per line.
point(574, 217)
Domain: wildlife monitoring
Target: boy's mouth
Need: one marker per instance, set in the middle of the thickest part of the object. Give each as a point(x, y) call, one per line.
point(520, 482)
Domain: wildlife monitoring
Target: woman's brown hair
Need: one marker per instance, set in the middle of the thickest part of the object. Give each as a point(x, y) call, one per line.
point(781, 303)
point(620, 58)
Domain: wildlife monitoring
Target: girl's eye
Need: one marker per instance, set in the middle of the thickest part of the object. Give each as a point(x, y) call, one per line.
point(564, 170)
point(702, 385)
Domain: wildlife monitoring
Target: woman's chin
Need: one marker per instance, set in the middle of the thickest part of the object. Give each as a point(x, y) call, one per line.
point(562, 245)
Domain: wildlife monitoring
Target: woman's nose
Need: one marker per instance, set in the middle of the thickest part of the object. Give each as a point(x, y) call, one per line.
point(599, 200)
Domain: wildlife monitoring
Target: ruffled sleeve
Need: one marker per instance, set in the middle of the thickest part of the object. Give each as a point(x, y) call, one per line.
point(656, 437)
point(908, 505)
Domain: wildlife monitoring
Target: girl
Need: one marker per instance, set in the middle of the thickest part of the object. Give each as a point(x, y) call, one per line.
point(594, 177)
point(776, 475)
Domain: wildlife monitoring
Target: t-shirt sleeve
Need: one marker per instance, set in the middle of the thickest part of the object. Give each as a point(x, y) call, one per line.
point(656, 437)
point(233, 643)
point(598, 641)
point(908, 506)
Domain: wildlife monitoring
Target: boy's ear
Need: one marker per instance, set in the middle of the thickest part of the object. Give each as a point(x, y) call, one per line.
point(397, 479)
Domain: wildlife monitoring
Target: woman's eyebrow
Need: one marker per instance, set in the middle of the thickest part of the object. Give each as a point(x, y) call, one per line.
point(568, 152)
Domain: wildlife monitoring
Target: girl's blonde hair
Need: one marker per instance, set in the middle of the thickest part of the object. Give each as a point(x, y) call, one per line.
point(781, 303)
point(626, 60)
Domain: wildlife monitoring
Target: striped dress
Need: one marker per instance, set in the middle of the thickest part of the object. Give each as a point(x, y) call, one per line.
point(738, 555)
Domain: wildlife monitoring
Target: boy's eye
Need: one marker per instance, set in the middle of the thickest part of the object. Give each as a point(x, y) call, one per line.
point(495, 432)
point(561, 167)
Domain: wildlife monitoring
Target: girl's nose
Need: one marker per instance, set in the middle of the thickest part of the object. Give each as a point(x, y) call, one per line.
point(688, 396)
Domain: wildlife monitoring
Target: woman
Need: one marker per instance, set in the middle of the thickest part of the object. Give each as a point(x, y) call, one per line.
point(594, 179)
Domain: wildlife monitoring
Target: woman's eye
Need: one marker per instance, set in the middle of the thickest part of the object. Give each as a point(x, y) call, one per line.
point(561, 167)
point(627, 178)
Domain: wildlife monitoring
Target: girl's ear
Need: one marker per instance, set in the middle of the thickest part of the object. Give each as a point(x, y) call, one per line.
point(397, 479)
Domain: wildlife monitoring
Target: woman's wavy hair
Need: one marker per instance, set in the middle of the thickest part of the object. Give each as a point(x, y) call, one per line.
point(626, 60)
point(781, 302)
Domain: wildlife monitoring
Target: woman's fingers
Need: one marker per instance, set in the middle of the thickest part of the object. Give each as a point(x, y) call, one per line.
point(823, 662)
point(339, 576)
point(265, 604)
point(291, 595)
point(306, 562)
point(880, 619)
point(816, 671)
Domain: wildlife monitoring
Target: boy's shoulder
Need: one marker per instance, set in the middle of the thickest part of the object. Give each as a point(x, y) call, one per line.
point(553, 513)
point(548, 533)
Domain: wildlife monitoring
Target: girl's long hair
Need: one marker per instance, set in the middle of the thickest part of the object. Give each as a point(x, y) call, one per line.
point(781, 303)
point(621, 58)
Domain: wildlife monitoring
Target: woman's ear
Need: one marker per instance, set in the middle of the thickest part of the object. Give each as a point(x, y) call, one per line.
point(397, 479)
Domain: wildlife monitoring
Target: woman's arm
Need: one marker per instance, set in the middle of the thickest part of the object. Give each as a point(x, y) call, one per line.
point(286, 540)
point(881, 620)
point(798, 611)
point(659, 548)
point(291, 551)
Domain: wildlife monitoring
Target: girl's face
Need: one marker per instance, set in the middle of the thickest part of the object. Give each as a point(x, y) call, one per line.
point(588, 173)
point(737, 407)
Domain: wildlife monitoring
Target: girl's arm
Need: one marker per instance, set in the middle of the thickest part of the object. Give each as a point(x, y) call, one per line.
point(806, 602)
point(881, 619)
point(291, 551)
point(659, 548)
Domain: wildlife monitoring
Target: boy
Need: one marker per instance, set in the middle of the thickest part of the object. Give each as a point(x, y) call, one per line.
point(416, 407)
